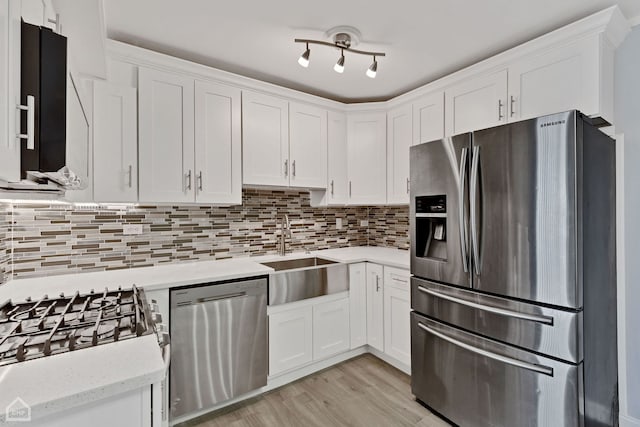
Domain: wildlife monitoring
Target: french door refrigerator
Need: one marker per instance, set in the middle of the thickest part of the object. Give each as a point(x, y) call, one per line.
point(513, 261)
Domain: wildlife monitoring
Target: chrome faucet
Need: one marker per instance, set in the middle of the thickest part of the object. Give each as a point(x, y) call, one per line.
point(285, 231)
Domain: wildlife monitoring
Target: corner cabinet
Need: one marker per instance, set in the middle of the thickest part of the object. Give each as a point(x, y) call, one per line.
point(115, 154)
point(399, 139)
point(189, 139)
point(367, 158)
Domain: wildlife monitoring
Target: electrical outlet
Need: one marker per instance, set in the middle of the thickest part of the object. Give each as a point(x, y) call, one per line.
point(131, 229)
point(338, 223)
point(364, 223)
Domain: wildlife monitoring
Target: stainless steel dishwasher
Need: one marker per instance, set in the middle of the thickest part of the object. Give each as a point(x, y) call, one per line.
point(219, 343)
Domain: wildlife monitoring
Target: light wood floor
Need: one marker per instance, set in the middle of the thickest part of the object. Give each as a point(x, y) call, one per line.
point(363, 391)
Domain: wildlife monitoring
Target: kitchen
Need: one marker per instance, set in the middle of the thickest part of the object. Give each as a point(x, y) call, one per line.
point(266, 225)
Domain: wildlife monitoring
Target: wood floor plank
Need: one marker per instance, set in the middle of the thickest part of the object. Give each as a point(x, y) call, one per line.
point(361, 392)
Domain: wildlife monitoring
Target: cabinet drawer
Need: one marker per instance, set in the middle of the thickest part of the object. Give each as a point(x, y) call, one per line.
point(396, 277)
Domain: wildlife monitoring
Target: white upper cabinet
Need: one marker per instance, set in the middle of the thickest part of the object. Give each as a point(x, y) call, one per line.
point(218, 145)
point(399, 138)
point(307, 146)
point(115, 143)
point(10, 91)
point(367, 158)
point(476, 103)
point(265, 140)
point(564, 78)
point(166, 145)
point(428, 118)
point(337, 179)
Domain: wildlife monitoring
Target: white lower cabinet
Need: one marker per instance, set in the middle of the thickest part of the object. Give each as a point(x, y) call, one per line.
point(290, 339)
point(375, 306)
point(358, 303)
point(330, 328)
point(397, 310)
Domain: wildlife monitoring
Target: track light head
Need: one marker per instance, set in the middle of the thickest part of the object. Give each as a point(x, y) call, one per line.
point(304, 58)
point(373, 69)
point(339, 67)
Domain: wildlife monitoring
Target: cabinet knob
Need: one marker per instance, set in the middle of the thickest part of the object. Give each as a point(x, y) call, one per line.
point(30, 108)
point(188, 176)
point(512, 102)
point(286, 168)
point(200, 181)
point(293, 168)
point(500, 105)
point(332, 187)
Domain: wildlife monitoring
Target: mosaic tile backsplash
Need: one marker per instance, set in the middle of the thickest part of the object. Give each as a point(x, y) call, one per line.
point(43, 239)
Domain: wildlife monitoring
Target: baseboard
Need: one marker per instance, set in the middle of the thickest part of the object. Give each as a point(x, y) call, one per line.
point(627, 421)
point(390, 360)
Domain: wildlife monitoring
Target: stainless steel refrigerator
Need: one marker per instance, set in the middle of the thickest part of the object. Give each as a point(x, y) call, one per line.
point(514, 277)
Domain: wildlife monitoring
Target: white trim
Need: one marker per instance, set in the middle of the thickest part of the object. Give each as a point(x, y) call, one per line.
point(390, 360)
point(621, 275)
point(627, 421)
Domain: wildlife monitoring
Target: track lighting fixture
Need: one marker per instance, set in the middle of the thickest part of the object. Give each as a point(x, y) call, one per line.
point(339, 67)
point(304, 58)
point(342, 41)
point(373, 69)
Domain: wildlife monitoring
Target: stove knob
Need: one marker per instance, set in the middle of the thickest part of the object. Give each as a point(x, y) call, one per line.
point(163, 339)
point(160, 327)
point(153, 301)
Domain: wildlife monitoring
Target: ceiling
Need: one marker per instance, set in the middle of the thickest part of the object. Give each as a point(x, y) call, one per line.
point(423, 39)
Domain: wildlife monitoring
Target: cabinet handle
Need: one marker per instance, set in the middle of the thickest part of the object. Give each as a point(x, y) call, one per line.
point(377, 283)
point(500, 105)
point(332, 187)
point(293, 168)
point(200, 181)
point(511, 109)
point(407, 185)
point(286, 168)
point(349, 188)
point(189, 180)
point(30, 108)
point(130, 176)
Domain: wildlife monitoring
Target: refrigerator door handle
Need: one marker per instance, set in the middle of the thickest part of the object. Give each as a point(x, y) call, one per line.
point(541, 369)
point(472, 208)
point(547, 320)
point(462, 177)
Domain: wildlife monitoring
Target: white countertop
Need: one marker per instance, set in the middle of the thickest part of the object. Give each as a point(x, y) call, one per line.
point(59, 382)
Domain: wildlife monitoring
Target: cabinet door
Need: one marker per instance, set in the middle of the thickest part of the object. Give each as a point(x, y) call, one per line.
point(561, 79)
point(375, 307)
point(330, 328)
point(428, 118)
point(358, 304)
point(265, 140)
point(218, 158)
point(397, 310)
point(367, 158)
point(476, 104)
point(308, 146)
point(10, 91)
point(115, 143)
point(399, 138)
point(290, 339)
point(166, 145)
point(338, 180)
point(79, 146)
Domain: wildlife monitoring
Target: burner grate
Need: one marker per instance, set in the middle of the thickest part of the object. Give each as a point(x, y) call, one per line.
point(48, 326)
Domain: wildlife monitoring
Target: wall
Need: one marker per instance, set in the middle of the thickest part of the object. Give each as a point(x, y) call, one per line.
point(58, 238)
point(627, 113)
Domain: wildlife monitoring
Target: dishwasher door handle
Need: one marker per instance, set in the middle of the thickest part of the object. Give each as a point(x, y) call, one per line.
point(212, 298)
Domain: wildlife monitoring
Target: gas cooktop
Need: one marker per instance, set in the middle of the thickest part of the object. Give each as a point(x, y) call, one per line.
point(36, 328)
